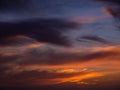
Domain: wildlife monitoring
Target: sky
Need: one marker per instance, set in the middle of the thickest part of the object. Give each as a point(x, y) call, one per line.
point(59, 44)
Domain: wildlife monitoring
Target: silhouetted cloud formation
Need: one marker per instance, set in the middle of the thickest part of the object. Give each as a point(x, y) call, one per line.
point(93, 38)
point(42, 30)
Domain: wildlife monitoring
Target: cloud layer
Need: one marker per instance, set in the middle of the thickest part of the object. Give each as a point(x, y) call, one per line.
point(35, 40)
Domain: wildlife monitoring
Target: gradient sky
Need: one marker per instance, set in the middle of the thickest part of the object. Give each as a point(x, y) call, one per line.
point(59, 44)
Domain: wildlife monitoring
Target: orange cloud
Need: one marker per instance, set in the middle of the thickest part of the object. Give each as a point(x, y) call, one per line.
point(97, 62)
point(67, 71)
point(73, 79)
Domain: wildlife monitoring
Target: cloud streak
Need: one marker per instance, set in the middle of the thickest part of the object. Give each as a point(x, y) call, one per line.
point(93, 38)
point(53, 57)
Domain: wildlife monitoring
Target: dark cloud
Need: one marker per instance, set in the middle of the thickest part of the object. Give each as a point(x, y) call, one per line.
point(113, 7)
point(93, 38)
point(42, 30)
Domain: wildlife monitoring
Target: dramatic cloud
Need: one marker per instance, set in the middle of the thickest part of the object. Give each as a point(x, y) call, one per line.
point(35, 40)
point(42, 30)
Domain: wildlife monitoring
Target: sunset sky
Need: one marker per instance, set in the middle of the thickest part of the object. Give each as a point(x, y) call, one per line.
point(59, 45)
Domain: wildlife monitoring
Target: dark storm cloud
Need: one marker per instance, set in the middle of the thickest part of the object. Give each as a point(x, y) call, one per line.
point(93, 38)
point(42, 30)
